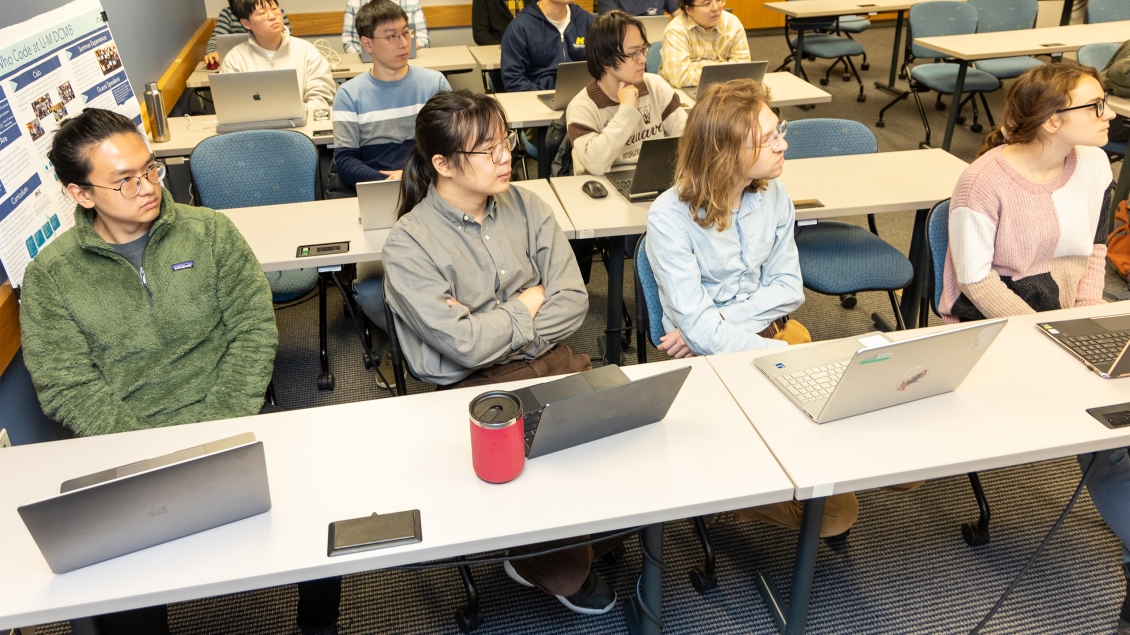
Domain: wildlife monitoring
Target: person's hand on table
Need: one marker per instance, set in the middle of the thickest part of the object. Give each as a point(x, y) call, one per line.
point(392, 175)
point(211, 58)
point(674, 345)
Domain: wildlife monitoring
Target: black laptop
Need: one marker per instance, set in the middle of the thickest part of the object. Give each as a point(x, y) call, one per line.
point(597, 403)
point(654, 171)
point(1099, 342)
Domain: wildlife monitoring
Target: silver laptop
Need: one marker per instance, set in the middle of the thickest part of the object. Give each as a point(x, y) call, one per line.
point(377, 201)
point(367, 57)
point(1102, 343)
point(227, 41)
point(654, 26)
point(842, 379)
point(129, 508)
point(257, 100)
point(572, 77)
point(719, 73)
point(654, 171)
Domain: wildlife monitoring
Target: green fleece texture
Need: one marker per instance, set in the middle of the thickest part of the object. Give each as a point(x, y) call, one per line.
point(107, 354)
point(1116, 75)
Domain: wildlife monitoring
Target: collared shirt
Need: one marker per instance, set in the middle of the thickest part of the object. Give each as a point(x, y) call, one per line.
point(686, 45)
point(351, 41)
point(437, 252)
point(722, 288)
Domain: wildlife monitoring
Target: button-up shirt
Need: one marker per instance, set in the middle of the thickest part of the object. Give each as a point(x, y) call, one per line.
point(722, 288)
point(686, 46)
point(437, 252)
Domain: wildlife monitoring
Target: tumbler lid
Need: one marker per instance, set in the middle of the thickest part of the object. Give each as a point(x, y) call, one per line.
point(495, 409)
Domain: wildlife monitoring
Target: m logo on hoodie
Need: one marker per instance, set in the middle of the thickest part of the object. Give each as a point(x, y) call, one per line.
point(579, 42)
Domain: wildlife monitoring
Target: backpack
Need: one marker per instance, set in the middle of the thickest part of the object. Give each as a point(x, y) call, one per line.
point(1118, 242)
point(557, 141)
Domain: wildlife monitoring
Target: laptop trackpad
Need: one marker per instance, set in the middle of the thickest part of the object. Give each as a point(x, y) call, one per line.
point(605, 377)
point(561, 389)
point(1115, 322)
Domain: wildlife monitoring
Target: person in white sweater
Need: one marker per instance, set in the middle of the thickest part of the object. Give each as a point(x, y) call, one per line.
point(269, 46)
point(623, 105)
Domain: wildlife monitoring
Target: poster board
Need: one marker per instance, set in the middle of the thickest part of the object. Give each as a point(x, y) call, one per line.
point(51, 68)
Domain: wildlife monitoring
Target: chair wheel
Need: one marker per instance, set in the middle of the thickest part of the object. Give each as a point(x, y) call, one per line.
point(846, 77)
point(976, 127)
point(614, 556)
point(881, 124)
point(861, 98)
point(810, 58)
point(823, 81)
point(939, 105)
point(848, 300)
point(973, 536)
point(960, 120)
point(701, 581)
point(865, 66)
point(466, 621)
point(326, 381)
point(902, 75)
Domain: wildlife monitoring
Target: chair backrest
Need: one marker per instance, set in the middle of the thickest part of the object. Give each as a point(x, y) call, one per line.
point(1005, 15)
point(655, 57)
point(1097, 55)
point(938, 239)
point(645, 278)
point(809, 138)
point(1107, 11)
point(934, 19)
point(252, 168)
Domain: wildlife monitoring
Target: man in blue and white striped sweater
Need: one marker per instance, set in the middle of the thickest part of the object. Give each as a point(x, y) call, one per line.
point(375, 113)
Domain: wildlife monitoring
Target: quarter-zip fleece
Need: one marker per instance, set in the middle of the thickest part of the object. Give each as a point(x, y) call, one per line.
point(532, 48)
point(190, 336)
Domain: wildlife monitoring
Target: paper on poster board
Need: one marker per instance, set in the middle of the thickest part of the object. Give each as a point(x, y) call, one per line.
point(51, 68)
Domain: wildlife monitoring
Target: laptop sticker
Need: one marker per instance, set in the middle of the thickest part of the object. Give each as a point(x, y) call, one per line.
point(879, 357)
point(986, 337)
point(911, 377)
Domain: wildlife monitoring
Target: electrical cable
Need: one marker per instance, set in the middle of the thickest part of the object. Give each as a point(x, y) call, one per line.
point(497, 559)
point(1039, 550)
point(327, 52)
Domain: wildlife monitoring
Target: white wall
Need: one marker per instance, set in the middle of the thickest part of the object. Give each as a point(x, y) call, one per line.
point(311, 6)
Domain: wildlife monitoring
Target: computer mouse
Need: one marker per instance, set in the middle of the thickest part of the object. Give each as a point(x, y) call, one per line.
point(213, 65)
point(594, 189)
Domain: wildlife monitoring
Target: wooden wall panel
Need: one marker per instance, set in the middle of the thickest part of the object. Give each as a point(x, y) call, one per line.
point(9, 325)
point(438, 17)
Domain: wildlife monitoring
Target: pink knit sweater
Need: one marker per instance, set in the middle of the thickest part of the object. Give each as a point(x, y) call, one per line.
point(1020, 247)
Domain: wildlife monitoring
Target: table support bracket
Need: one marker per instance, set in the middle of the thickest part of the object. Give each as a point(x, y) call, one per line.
point(645, 613)
point(791, 617)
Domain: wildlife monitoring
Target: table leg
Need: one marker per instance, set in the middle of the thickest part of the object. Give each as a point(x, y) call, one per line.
point(912, 294)
point(325, 378)
point(1065, 17)
point(544, 160)
point(615, 266)
point(962, 67)
point(890, 85)
point(799, 49)
point(791, 618)
point(645, 614)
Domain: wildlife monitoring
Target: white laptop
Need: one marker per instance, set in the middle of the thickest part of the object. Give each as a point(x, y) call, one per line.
point(377, 201)
point(654, 26)
point(132, 507)
point(845, 378)
point(719, 73)
point(257, 100)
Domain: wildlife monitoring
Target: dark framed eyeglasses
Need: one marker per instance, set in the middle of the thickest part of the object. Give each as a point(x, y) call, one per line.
point(639, 55)
point(510, 143)
point(131, 186)
point(1099, 106)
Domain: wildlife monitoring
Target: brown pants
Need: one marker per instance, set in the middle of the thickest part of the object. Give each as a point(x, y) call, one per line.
point(562, 572)
point(840, 510)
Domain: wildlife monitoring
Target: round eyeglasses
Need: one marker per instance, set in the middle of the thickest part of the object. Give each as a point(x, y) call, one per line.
point(131, 186)
point(774, 142)
point(1099, 106)
point(639, 55)
point(509, 144)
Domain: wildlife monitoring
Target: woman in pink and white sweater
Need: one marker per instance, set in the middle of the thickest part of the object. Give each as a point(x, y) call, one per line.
point(1027, 233)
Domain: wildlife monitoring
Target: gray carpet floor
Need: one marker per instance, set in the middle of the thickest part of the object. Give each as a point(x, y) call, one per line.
point(904, 568)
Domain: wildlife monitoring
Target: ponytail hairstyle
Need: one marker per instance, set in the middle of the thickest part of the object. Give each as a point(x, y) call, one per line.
point(452, 121)
point(71, 143)
point(1033, 99)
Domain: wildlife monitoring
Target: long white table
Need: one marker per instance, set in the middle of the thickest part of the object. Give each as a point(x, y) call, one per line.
point(1025, 401)
point(979, 46)
point(489, 57)
point(846, 186)
point(184, 136)
point(389, 455)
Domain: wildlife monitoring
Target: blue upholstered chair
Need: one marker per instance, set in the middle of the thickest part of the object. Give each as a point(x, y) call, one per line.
point(1098, 56)
point(1107, 11)
point(259, 167)
point(840, 258)
point(848, 24)
point(937, 241)
point(649, 317)
point(1006, 15)
point(820, 41)
point(654, 57)
point(930, 19)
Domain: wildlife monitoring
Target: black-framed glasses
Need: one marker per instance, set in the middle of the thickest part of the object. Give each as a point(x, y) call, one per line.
point(639, 55)
point(509, 144)
point(1099, 106)
point(131, 186)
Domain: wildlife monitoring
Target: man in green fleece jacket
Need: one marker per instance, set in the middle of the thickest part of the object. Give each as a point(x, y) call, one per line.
point(147, 312)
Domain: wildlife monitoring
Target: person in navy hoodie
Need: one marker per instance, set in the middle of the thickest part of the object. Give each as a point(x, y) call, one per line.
point(545, 34)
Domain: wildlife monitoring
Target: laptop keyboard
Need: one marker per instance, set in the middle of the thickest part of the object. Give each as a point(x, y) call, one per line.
point(1101, 348)
point(530, 422)
point(625, 187)
point(814, 383)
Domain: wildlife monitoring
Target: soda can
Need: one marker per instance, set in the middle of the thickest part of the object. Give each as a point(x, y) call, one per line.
point(498, 444)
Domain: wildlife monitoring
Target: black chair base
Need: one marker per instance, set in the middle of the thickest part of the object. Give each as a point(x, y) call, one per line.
point(977, 535)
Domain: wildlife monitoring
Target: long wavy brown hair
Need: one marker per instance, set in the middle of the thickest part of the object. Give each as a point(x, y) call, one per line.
point(1033, 99)
point(711, 148)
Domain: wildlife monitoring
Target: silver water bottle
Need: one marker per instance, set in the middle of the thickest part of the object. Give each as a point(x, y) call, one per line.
point(155, 107)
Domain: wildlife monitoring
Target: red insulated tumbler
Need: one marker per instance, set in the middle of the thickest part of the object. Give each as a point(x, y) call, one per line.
point(498, 444)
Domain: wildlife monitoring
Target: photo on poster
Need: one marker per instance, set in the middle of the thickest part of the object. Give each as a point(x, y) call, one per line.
point(35, 129)
point(66, 92)
point(59, 111)
point(108, 59)
point(42, 106)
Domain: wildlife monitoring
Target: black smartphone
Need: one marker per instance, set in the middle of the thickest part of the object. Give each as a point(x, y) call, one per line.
point(374, 532)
